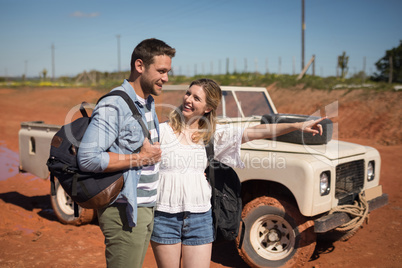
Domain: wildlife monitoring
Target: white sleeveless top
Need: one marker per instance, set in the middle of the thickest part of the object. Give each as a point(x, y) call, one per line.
point(182, 182)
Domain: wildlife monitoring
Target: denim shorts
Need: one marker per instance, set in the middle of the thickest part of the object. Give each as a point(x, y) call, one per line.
point(188, 228)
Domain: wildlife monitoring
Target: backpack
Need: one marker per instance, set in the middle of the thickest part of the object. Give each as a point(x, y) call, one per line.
point(87, 189)
point(226, 198)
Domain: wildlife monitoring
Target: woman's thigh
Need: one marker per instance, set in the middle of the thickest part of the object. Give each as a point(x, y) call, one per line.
point(197, 256)
point(167, 255)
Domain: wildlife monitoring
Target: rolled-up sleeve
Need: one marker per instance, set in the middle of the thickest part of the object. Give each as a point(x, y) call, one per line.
point(101, 133)
point(227, 145)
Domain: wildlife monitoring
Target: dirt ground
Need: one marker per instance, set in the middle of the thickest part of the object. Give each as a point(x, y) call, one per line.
point(31, 236)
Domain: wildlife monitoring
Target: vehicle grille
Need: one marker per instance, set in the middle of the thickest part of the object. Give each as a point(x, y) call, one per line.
point(349, 181)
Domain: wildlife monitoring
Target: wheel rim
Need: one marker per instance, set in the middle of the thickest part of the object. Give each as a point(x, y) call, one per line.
point(272, 237)
point(64, 201)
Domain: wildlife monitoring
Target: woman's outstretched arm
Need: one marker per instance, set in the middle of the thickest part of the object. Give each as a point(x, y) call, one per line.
point(265, 131)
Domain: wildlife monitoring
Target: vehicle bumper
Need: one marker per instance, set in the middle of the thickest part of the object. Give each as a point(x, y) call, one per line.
point(329, 222)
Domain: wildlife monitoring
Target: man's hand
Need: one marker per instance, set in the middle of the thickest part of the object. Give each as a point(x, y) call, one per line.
point(149, 154)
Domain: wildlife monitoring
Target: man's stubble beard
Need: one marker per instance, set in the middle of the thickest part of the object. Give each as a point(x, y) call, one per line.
point(148, 86)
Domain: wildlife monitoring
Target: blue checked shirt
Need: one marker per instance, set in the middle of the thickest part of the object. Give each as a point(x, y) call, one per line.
point(114, 128)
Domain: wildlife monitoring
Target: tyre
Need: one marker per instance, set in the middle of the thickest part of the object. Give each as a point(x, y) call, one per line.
point(63, 207)
point(299, 137)
point(276, 234)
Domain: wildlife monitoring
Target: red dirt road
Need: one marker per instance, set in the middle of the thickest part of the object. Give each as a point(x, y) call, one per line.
point(31, 236)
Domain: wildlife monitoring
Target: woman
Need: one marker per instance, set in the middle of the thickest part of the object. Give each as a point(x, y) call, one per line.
point(183, 226)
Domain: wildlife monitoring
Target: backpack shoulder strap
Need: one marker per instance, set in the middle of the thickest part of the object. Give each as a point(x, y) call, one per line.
point(82, 109)
point(133, 109)
point(210, 156)
point(211, 178)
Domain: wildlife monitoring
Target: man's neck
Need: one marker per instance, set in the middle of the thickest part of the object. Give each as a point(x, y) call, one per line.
point(134, 81)
point(136, 85)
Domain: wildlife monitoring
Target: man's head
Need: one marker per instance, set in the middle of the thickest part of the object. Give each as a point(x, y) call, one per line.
point(150, 63)
point(148, 49)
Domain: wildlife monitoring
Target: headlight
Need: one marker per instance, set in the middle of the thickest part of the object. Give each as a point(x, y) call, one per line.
point(370, 171)
point(325, 182)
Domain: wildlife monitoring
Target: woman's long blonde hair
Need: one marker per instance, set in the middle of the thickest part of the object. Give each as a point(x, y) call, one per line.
point(206, 124)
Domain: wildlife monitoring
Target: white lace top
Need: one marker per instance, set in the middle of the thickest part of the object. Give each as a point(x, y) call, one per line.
point(182, 182)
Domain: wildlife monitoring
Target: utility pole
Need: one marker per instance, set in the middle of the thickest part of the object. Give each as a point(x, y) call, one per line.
point(245, 65)
point(26, 69)
point(364, 70)
point(53, 67)
point(314, 66)
point(303, 28)
point(118, 53)
point(279, 65)
point(390, 70)
point(337, 67)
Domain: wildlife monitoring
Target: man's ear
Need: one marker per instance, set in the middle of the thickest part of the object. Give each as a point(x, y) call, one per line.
point(139, 66)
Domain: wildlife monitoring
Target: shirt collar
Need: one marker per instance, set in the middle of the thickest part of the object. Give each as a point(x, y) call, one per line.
point(131, 92)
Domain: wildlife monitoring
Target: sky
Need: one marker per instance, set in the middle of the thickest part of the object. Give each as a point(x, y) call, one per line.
point(69, 37)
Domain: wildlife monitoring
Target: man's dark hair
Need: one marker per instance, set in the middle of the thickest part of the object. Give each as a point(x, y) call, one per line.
point(148, 49)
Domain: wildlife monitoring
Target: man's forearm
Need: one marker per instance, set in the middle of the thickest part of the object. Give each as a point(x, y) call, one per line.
point(118, 162)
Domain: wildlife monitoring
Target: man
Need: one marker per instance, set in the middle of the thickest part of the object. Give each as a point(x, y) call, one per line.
point(112, 141)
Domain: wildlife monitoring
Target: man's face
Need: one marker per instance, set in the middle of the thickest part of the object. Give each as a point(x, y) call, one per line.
point(155, 75)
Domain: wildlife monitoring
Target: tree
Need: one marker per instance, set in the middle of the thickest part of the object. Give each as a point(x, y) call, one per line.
point(343, 64)
point(389, 67)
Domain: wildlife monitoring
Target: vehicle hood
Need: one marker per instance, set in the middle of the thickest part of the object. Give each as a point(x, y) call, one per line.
point(332, 150)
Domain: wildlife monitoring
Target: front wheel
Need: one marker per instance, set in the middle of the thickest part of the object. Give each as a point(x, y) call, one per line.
point(63, 207)
point(276, 234)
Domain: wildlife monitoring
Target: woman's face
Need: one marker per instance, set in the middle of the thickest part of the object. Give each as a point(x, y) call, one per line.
point(194, 103)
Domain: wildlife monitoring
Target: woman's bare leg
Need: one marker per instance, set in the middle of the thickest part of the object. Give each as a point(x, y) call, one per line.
point(167, 256)
point(197, 256)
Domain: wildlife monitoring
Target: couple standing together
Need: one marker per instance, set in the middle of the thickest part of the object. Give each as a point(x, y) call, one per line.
point(164, 200)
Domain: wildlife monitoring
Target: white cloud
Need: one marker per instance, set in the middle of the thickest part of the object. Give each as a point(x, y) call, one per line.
point(80, 14)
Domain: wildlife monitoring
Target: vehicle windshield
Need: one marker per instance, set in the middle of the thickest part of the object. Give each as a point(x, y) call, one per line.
point(236, 102)
point(243, 104)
